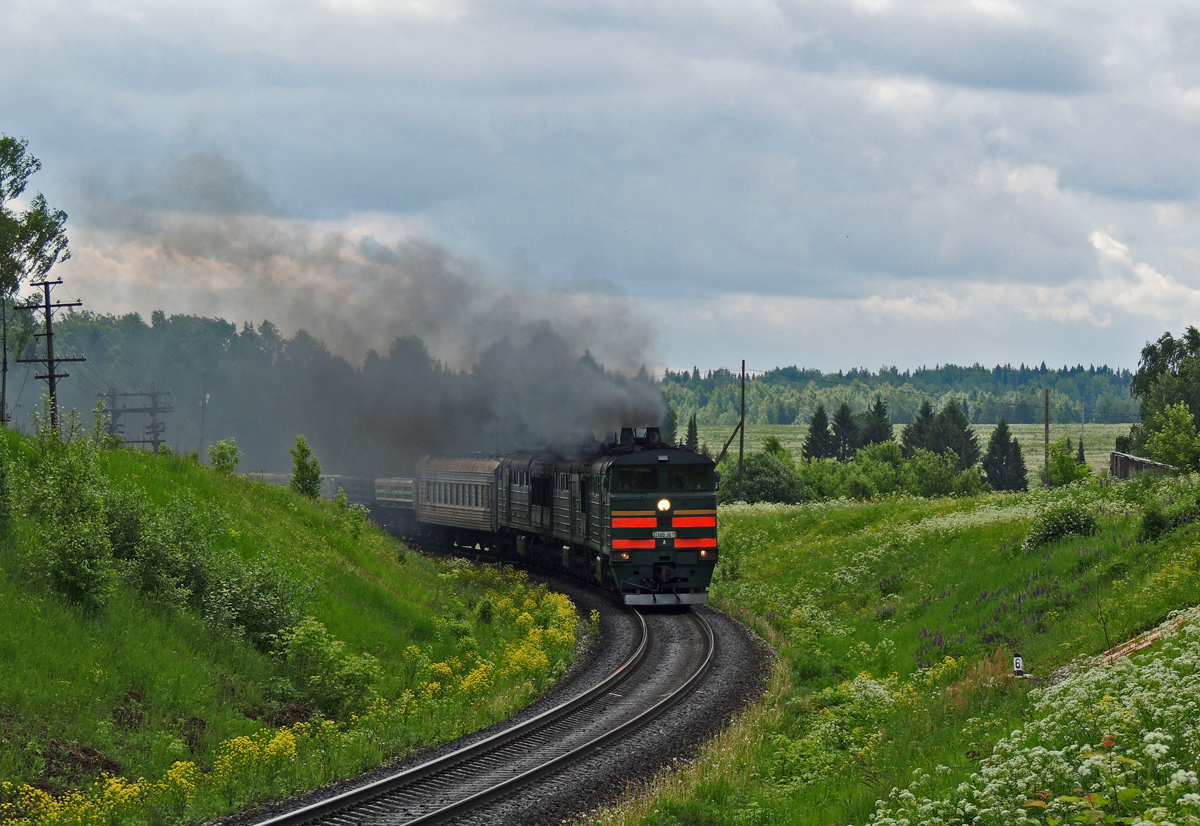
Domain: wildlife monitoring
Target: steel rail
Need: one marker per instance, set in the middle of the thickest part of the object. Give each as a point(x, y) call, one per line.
point(555, 764)
point(408, 777)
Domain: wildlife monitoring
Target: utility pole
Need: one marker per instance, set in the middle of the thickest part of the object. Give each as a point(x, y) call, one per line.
point(742, 432)
point(4, 371)
point(51, 375)
point(153, 432)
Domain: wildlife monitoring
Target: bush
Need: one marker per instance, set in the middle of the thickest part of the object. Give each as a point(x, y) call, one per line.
point(225, 456)
point(1159, 519)
point(67, 502)
point(324, 673)
point(1060, 522)
point(253, 601)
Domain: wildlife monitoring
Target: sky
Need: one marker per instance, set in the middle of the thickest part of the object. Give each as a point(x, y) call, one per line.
point(828, 184)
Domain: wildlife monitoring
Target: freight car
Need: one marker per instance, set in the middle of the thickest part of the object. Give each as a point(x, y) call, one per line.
point(637, 516)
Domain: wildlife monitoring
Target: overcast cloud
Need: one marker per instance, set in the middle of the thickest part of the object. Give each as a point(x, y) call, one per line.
point(832, 184)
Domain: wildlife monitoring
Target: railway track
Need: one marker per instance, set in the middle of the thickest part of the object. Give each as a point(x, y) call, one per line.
point(670, 657)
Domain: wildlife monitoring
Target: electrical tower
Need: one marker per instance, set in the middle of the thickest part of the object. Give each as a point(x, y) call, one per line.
point(51, 375)
point(152, 433)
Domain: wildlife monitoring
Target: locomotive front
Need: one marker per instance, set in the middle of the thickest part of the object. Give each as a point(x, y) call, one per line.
point(662, 537)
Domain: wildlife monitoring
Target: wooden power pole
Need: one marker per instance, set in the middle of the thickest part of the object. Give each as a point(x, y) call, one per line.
point(742, 432)
point(51, 375)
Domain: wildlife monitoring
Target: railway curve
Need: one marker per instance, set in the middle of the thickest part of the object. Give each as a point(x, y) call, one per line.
point(732, 679)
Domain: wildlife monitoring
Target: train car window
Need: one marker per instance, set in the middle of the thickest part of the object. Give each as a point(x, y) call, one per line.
point(635, 478)
point(689, 477)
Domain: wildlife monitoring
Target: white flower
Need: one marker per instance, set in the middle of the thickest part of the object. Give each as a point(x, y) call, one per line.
point(1190, 799)
point(1156, 750)
point(1183, 778)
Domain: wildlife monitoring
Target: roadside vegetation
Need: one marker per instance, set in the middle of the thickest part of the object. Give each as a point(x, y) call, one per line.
point(179, 642)
point(897, 621)
point(898, 617)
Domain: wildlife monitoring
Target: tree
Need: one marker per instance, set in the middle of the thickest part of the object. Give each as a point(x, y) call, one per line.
point(669, 425)
point(1063, 469)
point(845, 433)
point(953, 432)
point(766, 479)
point(1169, 373)
point(916, 434)
point(1173, 439)
point(692, 442)
point(33, 241)
point(306, 470)
point(1003, 466)
point(877, 427)
point(773, 447)
point(819, 442)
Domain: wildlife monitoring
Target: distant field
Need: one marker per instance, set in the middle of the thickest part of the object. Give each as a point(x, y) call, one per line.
point(1098, 439)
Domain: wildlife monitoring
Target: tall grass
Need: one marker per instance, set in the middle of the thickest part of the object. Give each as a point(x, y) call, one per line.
point(156, 706)
point(896, 623)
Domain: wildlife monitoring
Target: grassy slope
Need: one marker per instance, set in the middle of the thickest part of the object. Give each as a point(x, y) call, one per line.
point(856, 598)
point(136, 688)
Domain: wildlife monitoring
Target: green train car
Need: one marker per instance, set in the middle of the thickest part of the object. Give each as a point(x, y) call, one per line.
point(636, 516)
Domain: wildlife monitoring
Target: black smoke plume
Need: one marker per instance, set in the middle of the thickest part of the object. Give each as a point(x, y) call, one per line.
point(402, 348)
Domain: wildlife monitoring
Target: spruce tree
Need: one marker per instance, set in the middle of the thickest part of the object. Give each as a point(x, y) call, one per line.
point(692, 442)
point(819, 442)
point(1003, 465)
point(952, 431)
point(916, 434)
point(877, 427)
point(845, 433)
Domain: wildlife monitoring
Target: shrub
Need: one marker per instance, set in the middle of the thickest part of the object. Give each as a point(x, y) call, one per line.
point(67, 502)
point(324, 673)
point(1060, 522)
point(225, 456)
point(353, 518)
point(1159, 519)
point(253, 601)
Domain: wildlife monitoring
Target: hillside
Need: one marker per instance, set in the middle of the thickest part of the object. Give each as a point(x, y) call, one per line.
point(894, 699)
point(178, 643)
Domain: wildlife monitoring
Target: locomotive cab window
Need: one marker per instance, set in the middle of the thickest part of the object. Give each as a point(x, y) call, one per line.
point(690, 477)
point(635, 479)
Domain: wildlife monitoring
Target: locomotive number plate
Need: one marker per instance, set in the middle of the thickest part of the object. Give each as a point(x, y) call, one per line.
point(663, 534)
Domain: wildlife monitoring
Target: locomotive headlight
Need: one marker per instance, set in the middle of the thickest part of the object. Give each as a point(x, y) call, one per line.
point(623, 555)
point(664, 504)
point(705, 553)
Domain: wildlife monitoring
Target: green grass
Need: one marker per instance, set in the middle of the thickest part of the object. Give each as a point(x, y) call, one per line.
point(138, 687)
point(896, 623)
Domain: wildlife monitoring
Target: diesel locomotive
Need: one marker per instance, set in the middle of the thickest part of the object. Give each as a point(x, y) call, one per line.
point(637, 516)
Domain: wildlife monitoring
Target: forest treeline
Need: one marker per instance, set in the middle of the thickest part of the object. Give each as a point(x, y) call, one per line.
point(790, 395)
point(263, 388)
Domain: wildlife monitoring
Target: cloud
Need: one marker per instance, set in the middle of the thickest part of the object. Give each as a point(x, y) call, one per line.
point(937, 153)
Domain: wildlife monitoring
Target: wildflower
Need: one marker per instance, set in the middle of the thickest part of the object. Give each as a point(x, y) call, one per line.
point(1183, 778)
point(1156, 750)
point(1190, 799)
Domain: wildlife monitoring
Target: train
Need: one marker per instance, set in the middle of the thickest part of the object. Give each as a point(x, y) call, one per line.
point(635, 515)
